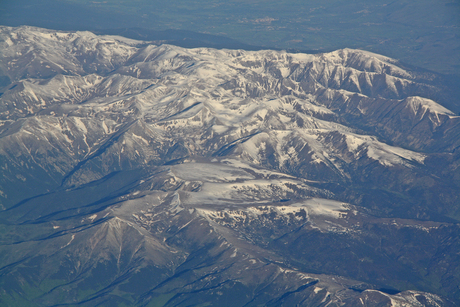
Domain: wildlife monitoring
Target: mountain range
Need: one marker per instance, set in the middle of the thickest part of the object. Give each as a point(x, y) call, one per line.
point(156, 175)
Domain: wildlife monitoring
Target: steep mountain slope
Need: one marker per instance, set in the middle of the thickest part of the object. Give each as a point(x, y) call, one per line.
point(171, 176)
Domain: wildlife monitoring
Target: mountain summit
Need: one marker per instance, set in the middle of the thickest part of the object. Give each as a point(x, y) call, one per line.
point(136, 174)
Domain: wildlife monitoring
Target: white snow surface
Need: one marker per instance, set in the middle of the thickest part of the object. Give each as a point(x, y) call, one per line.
point(209, 172)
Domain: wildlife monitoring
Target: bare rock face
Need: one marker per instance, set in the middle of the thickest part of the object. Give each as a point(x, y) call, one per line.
point(139, 174)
